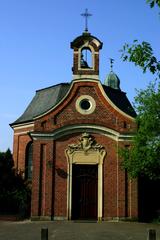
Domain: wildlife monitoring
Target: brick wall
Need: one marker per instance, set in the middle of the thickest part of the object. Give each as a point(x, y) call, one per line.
point(49, 195)
point(20, 142)
point(114, 192)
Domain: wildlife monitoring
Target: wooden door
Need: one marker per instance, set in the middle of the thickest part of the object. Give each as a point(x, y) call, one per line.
point(84, 191)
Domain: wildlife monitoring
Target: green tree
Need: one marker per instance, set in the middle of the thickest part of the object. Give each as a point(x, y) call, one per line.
point(6, 172)
point(142, 159)
point(14, 190)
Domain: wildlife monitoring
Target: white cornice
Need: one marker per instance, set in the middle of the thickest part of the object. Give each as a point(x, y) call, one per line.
point(23, 125)
point(23, 132)
point(87, 77)
point(80, 128)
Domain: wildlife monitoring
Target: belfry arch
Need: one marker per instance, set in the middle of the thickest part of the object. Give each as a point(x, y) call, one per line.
point(86, 58)
point(91, 44)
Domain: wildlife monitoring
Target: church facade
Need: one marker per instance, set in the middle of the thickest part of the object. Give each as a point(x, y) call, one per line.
point(67, 144)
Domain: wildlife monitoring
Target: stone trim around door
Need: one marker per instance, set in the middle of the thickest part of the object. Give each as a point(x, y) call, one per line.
point(86, 151)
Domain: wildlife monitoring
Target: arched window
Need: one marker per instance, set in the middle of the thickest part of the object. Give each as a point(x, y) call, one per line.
point(86, 58)
point(28, 163)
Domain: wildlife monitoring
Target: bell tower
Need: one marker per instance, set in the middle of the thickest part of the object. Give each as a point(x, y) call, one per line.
point(86, 54)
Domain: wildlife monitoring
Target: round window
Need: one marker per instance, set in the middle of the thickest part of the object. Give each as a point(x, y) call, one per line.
point(85, 104)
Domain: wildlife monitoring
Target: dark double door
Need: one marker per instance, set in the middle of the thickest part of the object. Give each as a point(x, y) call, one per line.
point(84, 191)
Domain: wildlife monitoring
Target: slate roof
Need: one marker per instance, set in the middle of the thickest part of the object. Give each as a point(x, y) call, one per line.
point(47, 98)
point(44, 100)
point(120, 99)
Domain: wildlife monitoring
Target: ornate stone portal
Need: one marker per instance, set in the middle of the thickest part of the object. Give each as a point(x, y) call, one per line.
point(86, 151)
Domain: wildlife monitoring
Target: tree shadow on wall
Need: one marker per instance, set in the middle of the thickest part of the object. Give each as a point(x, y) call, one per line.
point(61, 173)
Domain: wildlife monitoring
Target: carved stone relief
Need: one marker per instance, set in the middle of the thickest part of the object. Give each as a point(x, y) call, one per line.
point(87, 150)
point(86, 142)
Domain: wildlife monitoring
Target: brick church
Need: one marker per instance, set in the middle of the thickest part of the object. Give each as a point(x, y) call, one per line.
point(67, 143)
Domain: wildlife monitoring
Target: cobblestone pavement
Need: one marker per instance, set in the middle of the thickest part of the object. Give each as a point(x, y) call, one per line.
point(27, 230)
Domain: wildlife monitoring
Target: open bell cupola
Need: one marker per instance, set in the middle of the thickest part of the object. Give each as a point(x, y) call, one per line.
point(86, 56)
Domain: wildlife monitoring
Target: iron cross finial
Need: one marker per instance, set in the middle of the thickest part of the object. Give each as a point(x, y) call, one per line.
point(111, 62)
point(86, 15)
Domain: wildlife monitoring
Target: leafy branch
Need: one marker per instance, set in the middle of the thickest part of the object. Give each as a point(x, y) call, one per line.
point(141, 54)
point(152, 3)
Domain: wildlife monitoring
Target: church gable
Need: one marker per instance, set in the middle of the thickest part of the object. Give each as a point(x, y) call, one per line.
point(85, 104)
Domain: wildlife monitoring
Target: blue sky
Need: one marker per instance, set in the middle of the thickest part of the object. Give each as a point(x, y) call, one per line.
point(35, 52)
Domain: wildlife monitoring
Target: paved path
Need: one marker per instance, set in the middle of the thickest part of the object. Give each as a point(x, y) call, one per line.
point(28, 230)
